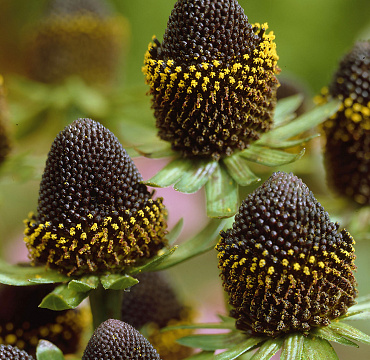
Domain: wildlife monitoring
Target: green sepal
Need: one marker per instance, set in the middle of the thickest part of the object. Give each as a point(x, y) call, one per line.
point(360, 311)
point(239, 349)
point(238, 169)
point(63, 298)
point(349, 332)
point(170, 174)
point(154, 264)
point(194, 178)
point(117, 281)
point(301, 124)
point(288, 143)
point(83, 284)
point(175, 232)
point(23, 275)
point(221, 194)
point(285, 108)
point(155, 150)
point(269, 157)
point(268, 349)
point(327, 333)
point(317, 348)
point(48, 351)
point(212, 342)
point(205, 240)
point(292, 347)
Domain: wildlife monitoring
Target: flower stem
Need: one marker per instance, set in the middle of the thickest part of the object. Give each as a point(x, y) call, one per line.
point(105, 304)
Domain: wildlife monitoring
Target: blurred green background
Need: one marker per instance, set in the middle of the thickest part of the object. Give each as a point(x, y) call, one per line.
point(311, 38)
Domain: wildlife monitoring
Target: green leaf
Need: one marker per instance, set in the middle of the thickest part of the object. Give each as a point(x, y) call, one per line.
point(175, 232)
point(303, 123)
point(327, 333)
point(83, 284)
point(317, 348)
point(48, 351)
point(63, 298)
point(268, 349)
point(205, 240)
point(292, 347)
point(239, 349)
point(155, 263)
point(239, 170)
point(221, 194)
point(212, 342)
point(155, 150)
point(349, 332)
point(286, 107)
point(117, 281)
point(269, 157)
point(194, 178)
point(170, 174)
point(23, 275)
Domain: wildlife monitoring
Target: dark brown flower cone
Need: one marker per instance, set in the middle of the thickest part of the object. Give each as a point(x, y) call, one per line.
point(212, 79)
point(93, 214)
point(114, 339)
point(285, 266)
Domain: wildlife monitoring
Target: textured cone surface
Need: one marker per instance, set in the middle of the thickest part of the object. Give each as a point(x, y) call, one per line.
point(23, 323)
point(347, 153)
point(8, 352)
point(212, 79)
point(77, 38)
point(114, 339)
point(93, 213)
point(154, 303)
point(285, 266)
point(4, 137)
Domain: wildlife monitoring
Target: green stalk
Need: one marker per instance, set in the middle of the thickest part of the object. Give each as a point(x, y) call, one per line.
point(105, 304)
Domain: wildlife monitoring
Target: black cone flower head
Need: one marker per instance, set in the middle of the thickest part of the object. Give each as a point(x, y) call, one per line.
point(23, 323)
point(8, 352)
point(94, 215)
point(79, 38)
point(347, 158)
point(154, 303)
point(285, 266)
point(114, 339)
point(4, 136)
point(212, 78)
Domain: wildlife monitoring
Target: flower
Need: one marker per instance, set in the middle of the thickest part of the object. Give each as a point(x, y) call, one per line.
point(285, 266)
point(8, 352)
point(213, 88)
point(4, 138)
point(347, 148)
point(212, 79)
point(94, 215)
point(23, 323)
point(154, 304)
point(76, 38)
point(114, 339)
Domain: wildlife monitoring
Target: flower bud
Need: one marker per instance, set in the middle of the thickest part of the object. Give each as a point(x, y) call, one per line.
point(114, 339)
